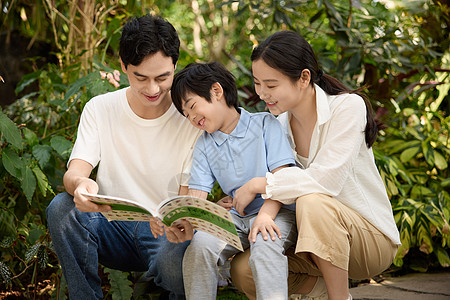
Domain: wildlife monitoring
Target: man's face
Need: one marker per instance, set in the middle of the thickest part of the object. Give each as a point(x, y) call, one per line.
point(150, 83)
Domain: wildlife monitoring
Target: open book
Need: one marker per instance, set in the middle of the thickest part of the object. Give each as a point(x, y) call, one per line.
point(204, 215)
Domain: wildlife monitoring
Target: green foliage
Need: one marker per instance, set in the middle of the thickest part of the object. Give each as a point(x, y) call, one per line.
point(33, 158)
point(120, 285)
point(413, 157)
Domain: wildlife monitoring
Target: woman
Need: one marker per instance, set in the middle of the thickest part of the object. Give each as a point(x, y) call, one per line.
point(344, 218)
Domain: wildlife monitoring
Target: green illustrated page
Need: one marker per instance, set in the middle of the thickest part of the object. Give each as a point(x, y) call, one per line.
point(203, 215)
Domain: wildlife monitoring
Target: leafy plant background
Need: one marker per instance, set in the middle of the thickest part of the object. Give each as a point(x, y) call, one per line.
point(397, 50)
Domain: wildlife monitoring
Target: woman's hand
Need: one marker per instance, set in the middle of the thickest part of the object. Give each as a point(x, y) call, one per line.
point(247, 193)
point(264, 223)
point(157, 227)
point(226, 202)
point(179, 233)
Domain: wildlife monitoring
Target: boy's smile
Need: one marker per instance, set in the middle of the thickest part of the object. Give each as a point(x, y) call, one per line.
point(210, 116)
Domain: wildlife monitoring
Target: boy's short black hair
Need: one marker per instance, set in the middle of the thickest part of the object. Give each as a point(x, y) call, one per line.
point(198, 78)
point(145, 36)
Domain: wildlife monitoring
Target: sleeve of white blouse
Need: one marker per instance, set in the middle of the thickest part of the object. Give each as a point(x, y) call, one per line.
point(332, 163)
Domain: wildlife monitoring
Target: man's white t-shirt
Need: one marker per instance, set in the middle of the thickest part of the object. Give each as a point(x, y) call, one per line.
point(139, 159)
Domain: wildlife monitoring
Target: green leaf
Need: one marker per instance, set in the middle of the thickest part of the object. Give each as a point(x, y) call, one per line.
point(445, 182)
point(120, 285)
point(443, 258)
point(61, 145)
point(428, 153)
point(414, 133)
point(28, 184)
point(60, 292)
point(10, 131)
point(31, 252)
point(409, 153)
point(27, 80)
point(440, 161)
point(42, 181)
point(4, 272)
point(12, 162)
point(399, 145)
point(30, 137)
point(42, 257)
point(76, 86)
point(42, 153)
point(34, 235)
point(419, 191)
point(7, 242)
point(424, 238)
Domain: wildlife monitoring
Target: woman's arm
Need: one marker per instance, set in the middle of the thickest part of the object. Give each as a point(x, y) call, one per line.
point(333, 155)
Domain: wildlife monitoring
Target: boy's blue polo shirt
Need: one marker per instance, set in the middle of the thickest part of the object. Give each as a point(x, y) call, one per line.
point(257, 145)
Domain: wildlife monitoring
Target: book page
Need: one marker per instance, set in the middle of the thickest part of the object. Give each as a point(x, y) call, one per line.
point(204, 215)
point(123, 209)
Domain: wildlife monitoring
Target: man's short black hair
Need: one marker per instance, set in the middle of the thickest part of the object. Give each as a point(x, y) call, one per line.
point(198, 78)
point(145, 36)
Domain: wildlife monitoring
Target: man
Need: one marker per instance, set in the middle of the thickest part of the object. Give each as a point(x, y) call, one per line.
point(143, 149)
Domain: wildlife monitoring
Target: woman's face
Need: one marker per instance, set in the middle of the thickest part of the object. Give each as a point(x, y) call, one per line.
point(275, 88)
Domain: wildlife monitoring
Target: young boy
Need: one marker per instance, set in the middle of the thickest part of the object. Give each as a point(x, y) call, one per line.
point(236, 149)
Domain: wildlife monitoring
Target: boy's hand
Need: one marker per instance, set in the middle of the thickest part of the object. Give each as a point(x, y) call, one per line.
point(247, 193)
point(226, 202)
point(264, 223)
point(157, 227)
point(179, 233)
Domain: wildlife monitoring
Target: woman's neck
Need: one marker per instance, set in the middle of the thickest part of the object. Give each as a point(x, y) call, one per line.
point(303, 120)
point(305, 113)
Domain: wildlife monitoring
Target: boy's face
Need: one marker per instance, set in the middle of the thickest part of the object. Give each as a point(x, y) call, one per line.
point(150, 84)
point(207, 116)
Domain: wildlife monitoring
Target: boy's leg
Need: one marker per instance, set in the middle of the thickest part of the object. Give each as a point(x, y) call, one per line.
point(202, 258)
point(268, 262)
point(200, 265)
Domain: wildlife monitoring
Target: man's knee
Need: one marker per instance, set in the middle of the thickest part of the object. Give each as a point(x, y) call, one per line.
point(59, 207)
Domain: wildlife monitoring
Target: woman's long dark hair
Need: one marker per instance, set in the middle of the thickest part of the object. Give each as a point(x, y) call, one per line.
point(289, 53)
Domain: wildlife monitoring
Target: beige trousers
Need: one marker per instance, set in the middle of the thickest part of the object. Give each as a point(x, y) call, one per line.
point(335, 233)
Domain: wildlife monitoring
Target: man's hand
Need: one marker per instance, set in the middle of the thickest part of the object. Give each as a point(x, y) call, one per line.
point(226, 202)
point(88, 185)
point(264, 223)
point(179, 233)
point(157, 227)
point(247, 193)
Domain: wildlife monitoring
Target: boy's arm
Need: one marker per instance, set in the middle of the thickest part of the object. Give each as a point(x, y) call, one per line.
point(246, 193)
point(264, 221)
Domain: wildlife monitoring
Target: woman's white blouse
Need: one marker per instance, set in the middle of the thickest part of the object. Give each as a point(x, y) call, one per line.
point(339, 163)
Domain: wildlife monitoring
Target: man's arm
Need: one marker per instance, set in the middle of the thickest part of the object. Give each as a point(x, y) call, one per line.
point(76, 181)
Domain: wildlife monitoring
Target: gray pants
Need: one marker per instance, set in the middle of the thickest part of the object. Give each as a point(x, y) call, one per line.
point(267, 260)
